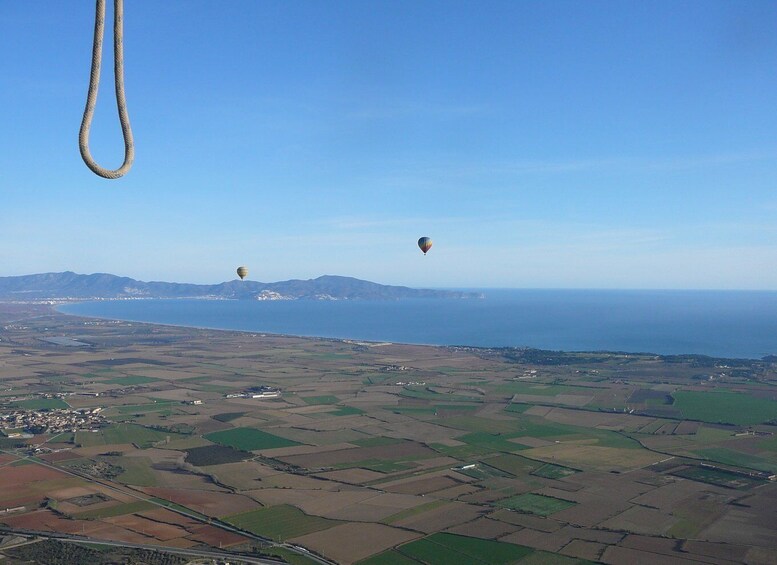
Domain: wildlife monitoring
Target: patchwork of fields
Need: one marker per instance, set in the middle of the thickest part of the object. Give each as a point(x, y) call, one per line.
point(389, 454)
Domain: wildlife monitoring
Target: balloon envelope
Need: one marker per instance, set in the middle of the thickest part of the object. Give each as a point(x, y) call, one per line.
point(242, 272)
point(425, 243)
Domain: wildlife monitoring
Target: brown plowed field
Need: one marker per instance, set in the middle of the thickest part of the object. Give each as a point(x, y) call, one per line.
point(641, 520)
point(583, 549)
point(276, 496)
point(728, 551)
point(335, 505)
point(59, 456)
point(117, 533)
point(363, 540)
point(165, 516)
point(485, 528)
point(526, 520)
point(592, 512)
point(685, 427)
point(441, 518)
point(421, 486)
point(216, 537)
point(548, 541)
point(30, 484)
point(352, 476)
point(162, 532)
point(667, 497)
point(457, 491)
point(47, 520)
point(300, 482)
point(210, 503)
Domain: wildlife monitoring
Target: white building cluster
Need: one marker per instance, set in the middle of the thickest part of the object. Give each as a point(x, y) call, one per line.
point(51, 421)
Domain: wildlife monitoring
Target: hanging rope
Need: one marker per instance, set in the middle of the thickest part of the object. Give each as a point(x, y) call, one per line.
point(94, 81)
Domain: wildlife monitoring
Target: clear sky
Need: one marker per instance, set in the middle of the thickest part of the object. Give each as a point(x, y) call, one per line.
point(597, 144)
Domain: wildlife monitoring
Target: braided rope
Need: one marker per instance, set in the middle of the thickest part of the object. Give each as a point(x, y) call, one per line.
point(94, 80)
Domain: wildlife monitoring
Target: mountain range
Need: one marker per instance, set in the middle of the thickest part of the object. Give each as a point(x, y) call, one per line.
point(69, 285)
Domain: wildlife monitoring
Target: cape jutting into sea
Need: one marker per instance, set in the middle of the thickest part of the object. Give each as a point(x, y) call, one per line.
point(737, 324)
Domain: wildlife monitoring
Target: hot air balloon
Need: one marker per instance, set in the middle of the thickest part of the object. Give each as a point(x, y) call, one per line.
point(242, 272)
point(425, 243)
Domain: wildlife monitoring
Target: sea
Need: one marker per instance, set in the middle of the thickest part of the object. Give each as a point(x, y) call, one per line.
point(732, 324)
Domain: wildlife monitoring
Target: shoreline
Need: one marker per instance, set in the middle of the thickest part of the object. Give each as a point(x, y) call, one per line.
point(353, 341)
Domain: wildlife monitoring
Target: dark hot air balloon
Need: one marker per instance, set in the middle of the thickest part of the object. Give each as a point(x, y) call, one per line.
point(242, 272)
point(425, 243)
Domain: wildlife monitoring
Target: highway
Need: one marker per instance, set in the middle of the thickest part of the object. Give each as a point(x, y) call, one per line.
point(210, 554)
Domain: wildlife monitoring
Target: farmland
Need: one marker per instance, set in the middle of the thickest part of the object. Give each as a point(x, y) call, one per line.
point(535, 504)
point(280, 522)
point(465, 456)
point(249, 439)
point(725, 407)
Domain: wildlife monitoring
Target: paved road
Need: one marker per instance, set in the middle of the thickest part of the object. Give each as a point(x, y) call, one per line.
point(211, 554)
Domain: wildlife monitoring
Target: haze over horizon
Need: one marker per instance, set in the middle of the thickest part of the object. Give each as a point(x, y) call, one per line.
point(540, 145)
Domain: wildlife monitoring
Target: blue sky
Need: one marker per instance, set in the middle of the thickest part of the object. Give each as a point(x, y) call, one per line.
point(601, 144)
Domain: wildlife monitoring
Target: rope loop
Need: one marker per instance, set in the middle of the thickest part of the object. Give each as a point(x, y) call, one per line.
point(94, 81)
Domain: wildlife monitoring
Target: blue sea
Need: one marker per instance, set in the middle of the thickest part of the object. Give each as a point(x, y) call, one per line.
point(739, 324)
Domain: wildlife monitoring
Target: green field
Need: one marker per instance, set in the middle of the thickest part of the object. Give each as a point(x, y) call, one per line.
point(476, 424)
point(737, 459)
point(319, 400)
point(490, 443)
point(552, 431)
point(145, 408)
point(451, 549)
point(280, 522)
point(517, 408)
point(288, 556)
point(43, 404)
point(228, 416)
point(717, 477)
point(137, 471)
point(124, 433)
point(535, 504)
point(249, 439)
point(725, 407)
point(118, 510)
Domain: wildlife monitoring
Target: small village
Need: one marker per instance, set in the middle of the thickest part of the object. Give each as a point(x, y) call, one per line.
point(19, 422)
